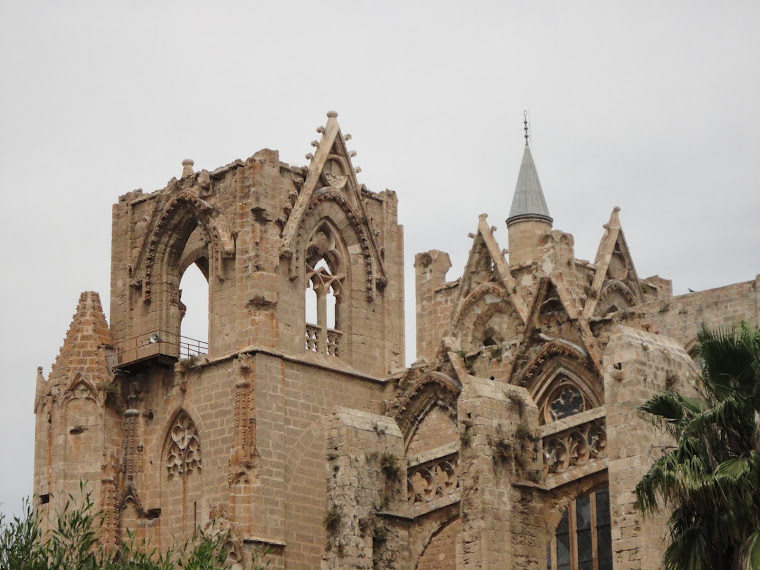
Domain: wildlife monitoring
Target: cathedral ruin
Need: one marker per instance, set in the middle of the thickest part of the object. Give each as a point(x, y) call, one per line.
point(513, 441)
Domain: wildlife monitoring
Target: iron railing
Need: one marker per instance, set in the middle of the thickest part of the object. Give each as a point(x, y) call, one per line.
point(158, 342)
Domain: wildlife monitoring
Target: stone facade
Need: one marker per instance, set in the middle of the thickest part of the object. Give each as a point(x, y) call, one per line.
point(512, 438)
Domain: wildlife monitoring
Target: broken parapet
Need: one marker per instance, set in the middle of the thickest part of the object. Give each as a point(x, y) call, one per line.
point(366, 475)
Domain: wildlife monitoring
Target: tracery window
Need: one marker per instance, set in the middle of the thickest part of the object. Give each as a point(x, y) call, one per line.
point(325, 279)
point(184, 452)
point(564, 399)
point(583, 540)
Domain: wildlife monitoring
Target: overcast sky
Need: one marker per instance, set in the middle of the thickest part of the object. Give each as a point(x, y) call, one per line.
point(650, 106)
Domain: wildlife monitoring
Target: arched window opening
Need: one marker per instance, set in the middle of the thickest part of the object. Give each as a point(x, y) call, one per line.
point(194, 311)
point(562, 397)
point(324, 289)
point(583, 540)
point(311, 303)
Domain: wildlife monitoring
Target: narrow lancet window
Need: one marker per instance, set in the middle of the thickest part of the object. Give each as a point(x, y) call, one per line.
point(324, 289)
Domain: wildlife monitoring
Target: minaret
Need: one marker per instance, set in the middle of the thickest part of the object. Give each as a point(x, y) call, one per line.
point(529, 217)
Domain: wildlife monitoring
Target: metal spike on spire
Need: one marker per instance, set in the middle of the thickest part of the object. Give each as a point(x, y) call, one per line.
point(528, 201)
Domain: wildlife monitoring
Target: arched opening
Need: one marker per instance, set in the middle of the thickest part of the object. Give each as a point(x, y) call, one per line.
point(193, 301)
point(325, 275)
point(583, 539)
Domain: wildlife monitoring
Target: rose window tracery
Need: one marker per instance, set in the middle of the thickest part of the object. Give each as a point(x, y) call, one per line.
point(565, 398)
point(566, 401)
point(184, 454)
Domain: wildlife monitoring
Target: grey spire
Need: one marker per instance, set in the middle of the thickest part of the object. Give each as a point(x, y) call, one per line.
point(528, 201)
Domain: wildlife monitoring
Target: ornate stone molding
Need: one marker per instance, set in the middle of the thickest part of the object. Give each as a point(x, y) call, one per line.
point(183, 455)
point(578, 442)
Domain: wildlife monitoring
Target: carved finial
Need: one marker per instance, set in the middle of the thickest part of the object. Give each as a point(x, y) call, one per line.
point(347, 137)
point(314, 143)
point(332, 114)
point(321, 129)
point(187, 167)
point(352, 153)
point(358, 169)
point(309, 156)
point(525, 122)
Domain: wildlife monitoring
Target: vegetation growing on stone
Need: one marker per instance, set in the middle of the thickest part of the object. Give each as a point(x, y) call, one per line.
point(73, 544)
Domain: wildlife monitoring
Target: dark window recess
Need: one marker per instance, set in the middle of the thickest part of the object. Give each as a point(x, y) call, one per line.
point(603, 531)
point(563, 543)
point(583, 539)
point(44, 499)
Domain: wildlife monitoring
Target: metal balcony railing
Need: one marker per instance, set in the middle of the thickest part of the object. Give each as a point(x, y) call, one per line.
point(158, 343)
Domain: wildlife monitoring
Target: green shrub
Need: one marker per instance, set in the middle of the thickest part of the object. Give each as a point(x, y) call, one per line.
point(73, 544)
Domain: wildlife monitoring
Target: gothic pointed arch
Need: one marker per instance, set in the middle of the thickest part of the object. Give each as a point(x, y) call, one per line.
point(486, 267)
point(439, 548)
point(327, 275)
point(432, 392)
point(614, 296)
point(131, 496)
point(562, 380)
point(487, 316)
point(181, 467)
point(182, 454)
point(328, 204)
point(616, 284)
point(80, 389)
point(330, 172)
point(171, 227)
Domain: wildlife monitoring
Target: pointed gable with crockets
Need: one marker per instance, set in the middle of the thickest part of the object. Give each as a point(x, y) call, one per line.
point(616, 285)
point(486, 290)
point(331, 175)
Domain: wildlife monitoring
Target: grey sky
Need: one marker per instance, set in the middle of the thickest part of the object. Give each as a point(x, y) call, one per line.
point(651, 106)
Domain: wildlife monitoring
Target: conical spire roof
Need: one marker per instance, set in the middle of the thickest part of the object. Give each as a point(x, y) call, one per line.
point(528, 201)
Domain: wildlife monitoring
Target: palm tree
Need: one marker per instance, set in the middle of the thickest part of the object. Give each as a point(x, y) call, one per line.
point(711, 477)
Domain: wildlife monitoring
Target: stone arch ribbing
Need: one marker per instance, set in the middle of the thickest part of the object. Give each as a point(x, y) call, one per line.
point(555, 359)
point(168, 235)
point(307, 226)
point(432, 389)
point(463, 323)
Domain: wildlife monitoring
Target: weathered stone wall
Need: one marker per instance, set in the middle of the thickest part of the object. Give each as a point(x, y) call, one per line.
point(681, 317)
point(271, 488)
point(637, 365)
point(441, 552)
point(365, 475)
point(435, 301)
